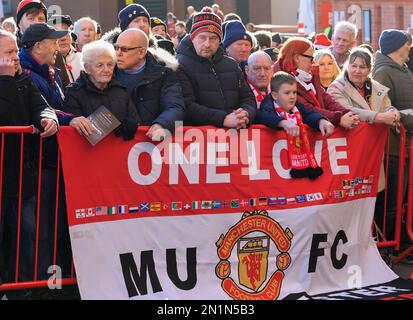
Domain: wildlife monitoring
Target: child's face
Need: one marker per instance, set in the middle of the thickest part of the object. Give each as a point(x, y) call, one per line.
point(286, 96)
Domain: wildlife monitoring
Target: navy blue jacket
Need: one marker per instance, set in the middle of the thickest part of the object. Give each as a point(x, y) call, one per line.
point(212, 89)
point(269, 117)
point(52, 93)
point(158, 96)
point(54, 97)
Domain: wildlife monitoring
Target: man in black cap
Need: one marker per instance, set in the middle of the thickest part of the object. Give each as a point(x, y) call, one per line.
point(158, 27)
point(38, 57)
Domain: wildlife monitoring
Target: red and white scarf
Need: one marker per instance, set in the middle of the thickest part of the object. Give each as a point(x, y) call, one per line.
point(259, 96)
point(302, 160)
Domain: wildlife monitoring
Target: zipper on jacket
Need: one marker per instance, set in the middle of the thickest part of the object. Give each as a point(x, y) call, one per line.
point(219, 83)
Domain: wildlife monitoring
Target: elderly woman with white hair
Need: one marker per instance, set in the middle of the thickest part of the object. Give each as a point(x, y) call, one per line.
point(97, 87)
point(85, 30)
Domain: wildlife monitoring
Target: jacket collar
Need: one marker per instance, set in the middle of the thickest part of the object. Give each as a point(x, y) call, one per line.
point(378, 90)
point(29, 62)
point(383, 60)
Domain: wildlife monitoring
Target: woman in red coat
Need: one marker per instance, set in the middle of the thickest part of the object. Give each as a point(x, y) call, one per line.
point(296, 57)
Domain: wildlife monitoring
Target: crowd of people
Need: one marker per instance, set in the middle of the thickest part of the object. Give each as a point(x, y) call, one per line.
point(207, 70)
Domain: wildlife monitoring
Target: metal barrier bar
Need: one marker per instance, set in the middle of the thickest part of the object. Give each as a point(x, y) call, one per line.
point(19, 210)
point(409, 220)
point(400, 185)
point(409, 213)
point(385, 242)
point(37, 284)
point(39, 188)
point(56, 212)
point(1, 175)
point(30, 129)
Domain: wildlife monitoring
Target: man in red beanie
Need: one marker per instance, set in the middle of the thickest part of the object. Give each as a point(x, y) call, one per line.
point(29, 12)
point(213, 85)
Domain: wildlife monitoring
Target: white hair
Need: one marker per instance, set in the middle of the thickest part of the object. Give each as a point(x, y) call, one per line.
point(92, 51)
point(10, 21)
point(78, 24)
point(4, 34)
point(345, 26)
point(253, 57)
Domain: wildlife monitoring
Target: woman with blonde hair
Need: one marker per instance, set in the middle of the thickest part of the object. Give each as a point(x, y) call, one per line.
point(328, 68)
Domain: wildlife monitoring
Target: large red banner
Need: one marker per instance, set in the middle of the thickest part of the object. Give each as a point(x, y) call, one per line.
point(209, 170)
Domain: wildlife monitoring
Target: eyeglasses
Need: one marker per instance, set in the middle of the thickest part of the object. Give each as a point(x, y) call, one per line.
point(308, 56)
point(125, 49)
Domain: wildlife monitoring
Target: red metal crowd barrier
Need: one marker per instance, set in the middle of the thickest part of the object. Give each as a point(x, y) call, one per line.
point(409, 213)
point(35, 283)
point(382, 233)
point(383, 241)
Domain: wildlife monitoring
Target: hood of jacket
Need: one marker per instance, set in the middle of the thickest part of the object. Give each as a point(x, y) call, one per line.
point(186, 48)
point(112, 35)
point(383, 60)
point(164, 58)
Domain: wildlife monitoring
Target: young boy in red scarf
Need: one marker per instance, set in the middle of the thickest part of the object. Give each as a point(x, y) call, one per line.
point(280, 110)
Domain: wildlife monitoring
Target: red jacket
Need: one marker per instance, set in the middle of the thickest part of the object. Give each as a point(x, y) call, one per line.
point(329, 108)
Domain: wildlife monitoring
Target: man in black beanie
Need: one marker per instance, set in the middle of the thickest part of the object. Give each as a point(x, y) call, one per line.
point(390, 70)
point(135, 16)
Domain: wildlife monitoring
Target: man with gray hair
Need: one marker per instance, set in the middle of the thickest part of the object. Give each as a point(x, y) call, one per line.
point(259, 72)
point(85, 30)
point(344, 38)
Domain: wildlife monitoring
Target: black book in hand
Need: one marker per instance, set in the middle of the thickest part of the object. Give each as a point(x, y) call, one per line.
point(103, 122)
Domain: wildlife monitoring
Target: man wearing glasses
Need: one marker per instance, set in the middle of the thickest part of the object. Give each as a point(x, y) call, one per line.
point(150, 77)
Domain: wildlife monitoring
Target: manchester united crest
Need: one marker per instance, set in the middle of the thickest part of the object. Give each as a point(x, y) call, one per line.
point(253, 238)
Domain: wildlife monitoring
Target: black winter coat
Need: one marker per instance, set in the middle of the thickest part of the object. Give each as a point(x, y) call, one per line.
point(212, 89)
point(158, 97)
point(269, 117)
point(21, 104)
point(83, 98)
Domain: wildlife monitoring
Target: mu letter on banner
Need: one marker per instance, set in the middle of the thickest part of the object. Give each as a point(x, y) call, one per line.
point(213, 214)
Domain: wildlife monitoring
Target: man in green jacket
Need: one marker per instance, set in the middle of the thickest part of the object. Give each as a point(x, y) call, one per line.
point(390, 69)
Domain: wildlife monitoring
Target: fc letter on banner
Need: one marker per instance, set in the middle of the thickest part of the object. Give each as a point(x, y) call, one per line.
point(214, 214)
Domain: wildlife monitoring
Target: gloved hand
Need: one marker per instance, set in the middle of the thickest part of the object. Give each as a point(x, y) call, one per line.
point(127, 129)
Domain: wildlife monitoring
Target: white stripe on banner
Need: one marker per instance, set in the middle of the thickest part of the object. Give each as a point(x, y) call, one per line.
point(177, 257)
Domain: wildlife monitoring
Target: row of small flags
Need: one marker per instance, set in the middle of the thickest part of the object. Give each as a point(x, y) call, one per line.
point(195, 205)
point(354, 187)
point(352, 183)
